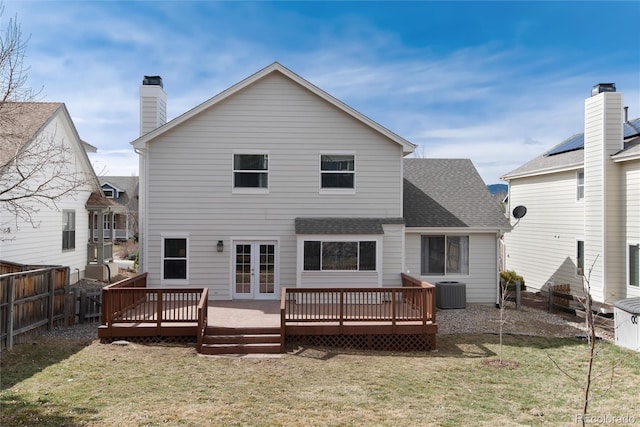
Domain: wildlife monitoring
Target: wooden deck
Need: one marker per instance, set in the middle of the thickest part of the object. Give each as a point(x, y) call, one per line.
point(400, 318)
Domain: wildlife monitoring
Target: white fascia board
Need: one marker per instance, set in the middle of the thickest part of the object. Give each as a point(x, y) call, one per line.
point(455, 230)
point(618, 158)
point(565, 168)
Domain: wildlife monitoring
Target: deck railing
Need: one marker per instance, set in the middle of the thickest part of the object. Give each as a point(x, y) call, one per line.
point(430, 295)
point(130, 301)
point(203, 308)
point(414, 302)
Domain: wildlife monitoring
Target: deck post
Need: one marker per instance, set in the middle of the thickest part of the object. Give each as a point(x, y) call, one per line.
point(425, 308)
point(283, 319)
point(393, 307)
point(341, 310)
point(159, 313)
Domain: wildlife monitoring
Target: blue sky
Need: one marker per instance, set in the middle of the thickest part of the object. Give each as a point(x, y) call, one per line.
point(496, 82)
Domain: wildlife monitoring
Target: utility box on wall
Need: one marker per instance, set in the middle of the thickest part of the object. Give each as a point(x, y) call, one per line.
point(627, 323)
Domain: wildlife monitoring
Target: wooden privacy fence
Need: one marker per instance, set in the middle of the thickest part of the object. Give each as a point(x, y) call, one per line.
point(560, 297)
point(31, 301)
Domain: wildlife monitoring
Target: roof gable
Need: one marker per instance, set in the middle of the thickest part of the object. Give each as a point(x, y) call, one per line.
point(407, 146)
point(22, 122)
point(444, 193)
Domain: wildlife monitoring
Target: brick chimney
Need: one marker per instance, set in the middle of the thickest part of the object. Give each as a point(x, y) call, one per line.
point(153, 104)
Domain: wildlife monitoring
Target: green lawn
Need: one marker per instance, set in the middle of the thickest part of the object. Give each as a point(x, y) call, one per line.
point(57, 382)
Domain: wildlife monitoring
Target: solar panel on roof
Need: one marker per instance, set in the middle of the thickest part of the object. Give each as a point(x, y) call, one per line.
point(574, 142)
point(631, 128)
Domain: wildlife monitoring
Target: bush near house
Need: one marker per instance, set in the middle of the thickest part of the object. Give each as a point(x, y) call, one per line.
point(511, 277)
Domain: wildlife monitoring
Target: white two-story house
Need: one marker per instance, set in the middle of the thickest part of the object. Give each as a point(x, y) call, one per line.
point(275, 183)
point(583, 206)
point(48, 191)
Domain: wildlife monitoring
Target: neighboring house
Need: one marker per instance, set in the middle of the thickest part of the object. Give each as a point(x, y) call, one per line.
point(39, 141)
point(274, 183)
point(583, 206)
point(123, 191)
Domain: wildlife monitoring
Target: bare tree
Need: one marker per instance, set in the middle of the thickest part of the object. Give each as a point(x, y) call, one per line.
point(13, 72)
point(37, 167)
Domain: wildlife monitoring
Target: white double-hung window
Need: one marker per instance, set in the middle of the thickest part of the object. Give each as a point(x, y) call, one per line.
point(337, 172)
point(251, 172)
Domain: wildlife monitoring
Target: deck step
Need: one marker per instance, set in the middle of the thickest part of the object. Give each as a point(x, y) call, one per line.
point(218, 340)
point(216, 330)
point(240, 349)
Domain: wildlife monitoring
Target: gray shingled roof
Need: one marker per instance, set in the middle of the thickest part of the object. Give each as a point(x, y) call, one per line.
point(575, 158)
point(448, 193)
point(542, 163)
point(19, 124)
point(343, 225)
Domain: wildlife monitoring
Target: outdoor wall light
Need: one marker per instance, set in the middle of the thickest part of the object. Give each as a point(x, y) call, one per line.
point(220, 246)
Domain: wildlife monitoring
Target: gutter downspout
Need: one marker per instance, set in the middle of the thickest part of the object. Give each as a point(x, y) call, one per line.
point(142, 209)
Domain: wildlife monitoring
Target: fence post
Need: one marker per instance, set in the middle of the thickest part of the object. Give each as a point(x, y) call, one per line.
point(550, 303)
point(12, 299)
point(52, 292)
point(82, 312)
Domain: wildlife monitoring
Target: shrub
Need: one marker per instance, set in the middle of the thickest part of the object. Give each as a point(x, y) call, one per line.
point(511, 277)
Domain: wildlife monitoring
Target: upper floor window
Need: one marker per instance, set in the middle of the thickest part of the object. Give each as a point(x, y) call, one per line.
point(68, 229)
point(337, 171)
point(108, 193)
point(580, 185)
point(251, 171)
point(442, 255)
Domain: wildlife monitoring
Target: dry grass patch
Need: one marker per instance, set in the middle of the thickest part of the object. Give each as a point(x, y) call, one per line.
point(61, 382)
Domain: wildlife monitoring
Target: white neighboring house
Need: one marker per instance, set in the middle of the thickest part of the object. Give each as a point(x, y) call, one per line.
point(583, 206)
point(58, 233)
point(275, 183)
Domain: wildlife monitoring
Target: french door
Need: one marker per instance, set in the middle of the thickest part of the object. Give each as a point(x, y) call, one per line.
point(255, 269)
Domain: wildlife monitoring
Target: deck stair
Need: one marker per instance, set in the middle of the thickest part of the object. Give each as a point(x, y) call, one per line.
point(241, 340)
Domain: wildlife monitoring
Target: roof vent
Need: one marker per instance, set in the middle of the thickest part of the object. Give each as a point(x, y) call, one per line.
point(157, 81)
point(603, 87)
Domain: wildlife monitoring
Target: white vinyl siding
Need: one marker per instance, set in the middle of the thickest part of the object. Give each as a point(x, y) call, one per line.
point(542, 247)
point(482, 280)
point(189, 167)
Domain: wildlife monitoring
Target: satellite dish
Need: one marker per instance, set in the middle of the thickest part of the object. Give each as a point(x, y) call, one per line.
point(519, 212)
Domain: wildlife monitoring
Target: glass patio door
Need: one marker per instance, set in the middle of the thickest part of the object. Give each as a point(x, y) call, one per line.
point(255, 270)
